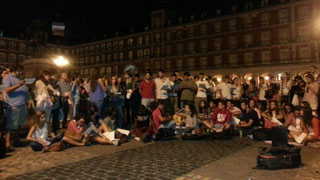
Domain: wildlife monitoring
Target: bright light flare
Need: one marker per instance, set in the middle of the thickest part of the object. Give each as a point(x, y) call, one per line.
point(219, 79)
point(266, 78)
point(60, 61)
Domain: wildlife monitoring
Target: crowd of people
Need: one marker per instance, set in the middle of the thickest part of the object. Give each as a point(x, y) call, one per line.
point(78, 111)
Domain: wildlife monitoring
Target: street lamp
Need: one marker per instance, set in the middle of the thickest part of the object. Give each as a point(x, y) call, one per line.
point(60, 61)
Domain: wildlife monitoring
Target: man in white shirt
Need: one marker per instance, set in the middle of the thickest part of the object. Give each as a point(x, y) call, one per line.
point(203, 87)
point(262, 92)
point(224, 89)
point(163, 85)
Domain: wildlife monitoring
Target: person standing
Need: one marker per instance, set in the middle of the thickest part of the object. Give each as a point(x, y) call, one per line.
point(96, 92)
point(43, 88)
point(17, 99)
point(203, 88)
point(173, 94)
point(65, 93)
point(163, 86)
point(188, 89)
point(147, 90)
point(129, 88)
point(224, 89)
point(311, 93)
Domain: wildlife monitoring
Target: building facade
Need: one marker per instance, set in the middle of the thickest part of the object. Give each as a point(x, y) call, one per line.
point(257, 39)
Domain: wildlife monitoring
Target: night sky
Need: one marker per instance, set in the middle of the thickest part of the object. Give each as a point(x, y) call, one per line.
point(96, 17)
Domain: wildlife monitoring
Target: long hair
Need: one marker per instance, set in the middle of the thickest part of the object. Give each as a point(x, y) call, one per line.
point(36, 118)
point(307, 116)
point(276, 109)
point(42, 76)
point(94, 80)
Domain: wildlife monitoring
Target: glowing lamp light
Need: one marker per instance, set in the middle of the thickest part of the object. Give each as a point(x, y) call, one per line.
point(279, 76)
point(219, 79)
point(267, 78)
point(60, 61)
point(249, 78)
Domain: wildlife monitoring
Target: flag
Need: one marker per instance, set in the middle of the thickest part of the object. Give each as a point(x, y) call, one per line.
point(58, 29)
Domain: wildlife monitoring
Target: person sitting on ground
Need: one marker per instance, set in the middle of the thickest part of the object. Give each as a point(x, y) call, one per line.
point(189, 118)
point(249, 120)
point(38, 133)
point(142, 122)
point(209, 111)
point(289, 114)
point(202, 110)
point(311, 125)
point(295, 124)
point(160, 120)
point(235, 111)
point(80, 134)
point(272, 116)
point(221, 118)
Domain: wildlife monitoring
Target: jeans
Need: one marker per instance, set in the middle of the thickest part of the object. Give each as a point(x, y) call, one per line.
point(73, 110)
point(36, 146)
point(55, 120)
point(16, 116)
point(170, 124)
point(100, 106)
point(65, 109)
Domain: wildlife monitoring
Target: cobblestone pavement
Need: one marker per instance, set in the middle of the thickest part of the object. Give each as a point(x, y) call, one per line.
point(163, 160)
point(238, 166)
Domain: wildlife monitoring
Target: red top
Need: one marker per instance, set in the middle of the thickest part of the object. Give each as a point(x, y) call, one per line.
point(72, 126)
point(147, 89)
point(221, 117)
point(156, 121)
point(316, 126)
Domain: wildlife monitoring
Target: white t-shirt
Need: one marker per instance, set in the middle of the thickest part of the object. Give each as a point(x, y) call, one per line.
point(162, 87)
point(262, 92)
point(236, 93)
point(225, 90)
point(203, 86)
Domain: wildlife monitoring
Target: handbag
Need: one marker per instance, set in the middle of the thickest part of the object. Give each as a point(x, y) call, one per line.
point(44, 101)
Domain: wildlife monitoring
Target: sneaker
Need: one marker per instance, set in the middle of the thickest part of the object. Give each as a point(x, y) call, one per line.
point(137, 139)
point(115, 142)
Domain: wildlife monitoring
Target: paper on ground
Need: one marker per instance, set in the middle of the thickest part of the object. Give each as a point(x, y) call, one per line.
point(236, 120)
point(300, 138)
point(110, 135)
point(123, 131)
point(292, 128)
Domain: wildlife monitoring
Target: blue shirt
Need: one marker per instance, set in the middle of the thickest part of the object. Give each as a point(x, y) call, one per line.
point(19, 96)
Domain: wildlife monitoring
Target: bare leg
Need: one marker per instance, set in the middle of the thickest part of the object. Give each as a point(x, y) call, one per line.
point(208, 124)
point(8, 144)
point(104, 128)
point(101, 140)
point(73, 142)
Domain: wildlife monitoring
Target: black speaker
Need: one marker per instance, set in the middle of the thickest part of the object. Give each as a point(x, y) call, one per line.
point(279, 137)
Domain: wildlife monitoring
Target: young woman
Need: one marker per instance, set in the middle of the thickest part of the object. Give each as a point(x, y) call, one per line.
point(285, 87)
point(38, 133)
point(202, 109)
point(296, 124)
point(75, 96)
point(311, 93)
point(142, 122)
point(80, 134)
point(311, 125)
point(43, 88)
point(209, 110)
point(189, 118)
point(237, 91)
point(96, 92)
point(116, 100)
point(272, 116)
point(253, 90)
point(288, 114)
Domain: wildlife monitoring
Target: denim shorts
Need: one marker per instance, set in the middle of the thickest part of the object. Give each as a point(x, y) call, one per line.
point(16, 116)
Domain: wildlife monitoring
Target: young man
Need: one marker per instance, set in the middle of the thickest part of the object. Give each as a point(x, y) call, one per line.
point(159, 120)
point(249, 120)
point(188, 89)
point(220, 119)
point(224, 89)
point(147, 90)
point(173, 94)
point(163, 86)
point(203, 88)
point(17, 99)
point(129, 88)
point(65, 92)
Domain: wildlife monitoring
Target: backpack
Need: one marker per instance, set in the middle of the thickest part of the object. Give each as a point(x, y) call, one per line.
point(278, 157)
